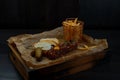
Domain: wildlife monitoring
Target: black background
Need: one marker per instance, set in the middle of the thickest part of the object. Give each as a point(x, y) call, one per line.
point(101, 19)
point(98, 14)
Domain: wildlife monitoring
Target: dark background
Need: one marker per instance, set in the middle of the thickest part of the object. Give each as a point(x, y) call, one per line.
point(101, 19)
point(98, 14)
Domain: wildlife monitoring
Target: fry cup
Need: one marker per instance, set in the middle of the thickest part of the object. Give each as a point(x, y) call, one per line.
point(73, 29)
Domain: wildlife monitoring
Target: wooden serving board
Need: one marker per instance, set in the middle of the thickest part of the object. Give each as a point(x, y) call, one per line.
point(57, 71)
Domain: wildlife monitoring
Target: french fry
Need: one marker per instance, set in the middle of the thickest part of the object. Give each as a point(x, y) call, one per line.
point(85, 47)
point(75, 21)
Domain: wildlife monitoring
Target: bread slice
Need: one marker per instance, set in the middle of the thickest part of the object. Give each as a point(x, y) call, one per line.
point(24, 47)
